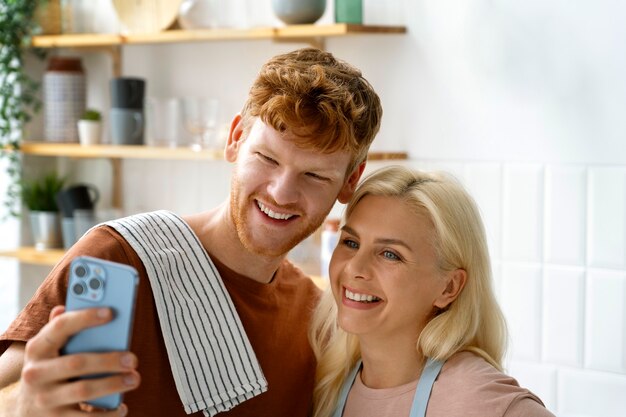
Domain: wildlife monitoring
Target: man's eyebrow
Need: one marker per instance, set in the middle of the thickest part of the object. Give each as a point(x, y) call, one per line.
point(384, 241)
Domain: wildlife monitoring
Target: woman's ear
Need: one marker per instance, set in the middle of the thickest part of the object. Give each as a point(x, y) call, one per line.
point(235, 136)
point(456, 282)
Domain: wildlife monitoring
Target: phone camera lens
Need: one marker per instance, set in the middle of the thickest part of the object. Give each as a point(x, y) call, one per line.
point(80, 271)
point(79, 288)
point(95, 283)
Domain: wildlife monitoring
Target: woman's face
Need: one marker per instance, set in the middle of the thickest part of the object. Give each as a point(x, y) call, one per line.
point(384, 273)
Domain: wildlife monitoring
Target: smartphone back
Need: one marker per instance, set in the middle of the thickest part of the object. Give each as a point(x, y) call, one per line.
point(98, 283)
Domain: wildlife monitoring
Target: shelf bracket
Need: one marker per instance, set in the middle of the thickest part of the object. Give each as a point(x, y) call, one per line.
point(116, 57)
point(116, 183)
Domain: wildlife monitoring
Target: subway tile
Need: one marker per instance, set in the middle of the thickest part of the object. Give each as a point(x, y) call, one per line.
point(185, 178)
point(484, 183)
point(584, 393)
point(563, 315)
point(522, 216)
point(213, 186)
point(521, 304)
point(605, 325)
point(606, 244)
point(9, 292)
point(9, 233)
point(538, 378)
point(565, 215)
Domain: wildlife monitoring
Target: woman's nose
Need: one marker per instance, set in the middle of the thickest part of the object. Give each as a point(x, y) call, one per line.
point(359, 265)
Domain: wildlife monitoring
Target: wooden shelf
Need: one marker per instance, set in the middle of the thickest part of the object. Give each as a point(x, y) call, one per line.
point(286, 33)
point(51, 257)
point(31, 255)
point(75, 150)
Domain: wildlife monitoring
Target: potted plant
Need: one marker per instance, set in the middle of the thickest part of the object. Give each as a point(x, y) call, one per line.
point(40, 197)
point(18, 95)
point(89, 127)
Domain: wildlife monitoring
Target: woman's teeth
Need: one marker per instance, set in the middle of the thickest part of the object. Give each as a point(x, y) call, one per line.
point(362, 298)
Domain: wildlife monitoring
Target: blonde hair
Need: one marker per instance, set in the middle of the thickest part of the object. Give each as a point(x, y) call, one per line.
point(472, 322)
point(323, 101)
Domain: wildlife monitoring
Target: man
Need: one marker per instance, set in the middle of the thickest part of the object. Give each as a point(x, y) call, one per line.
point(299, 145)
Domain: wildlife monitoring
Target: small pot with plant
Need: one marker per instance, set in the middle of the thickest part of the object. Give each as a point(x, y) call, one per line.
point(40, 197)
point(89, 127)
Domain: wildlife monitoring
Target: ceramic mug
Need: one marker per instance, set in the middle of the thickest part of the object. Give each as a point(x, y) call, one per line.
point(126, 126)
point(79, 196)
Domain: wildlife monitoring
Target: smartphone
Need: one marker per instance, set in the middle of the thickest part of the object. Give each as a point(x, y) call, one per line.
point(96, 282)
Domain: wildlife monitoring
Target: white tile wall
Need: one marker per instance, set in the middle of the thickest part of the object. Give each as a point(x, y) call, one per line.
point(605, 324)
point(484, 182)
point(565, 215)
point(521, 303)
point(607, 224)
point(585, 393)
point(522, 217)
point(563, 315)
point(9, 286)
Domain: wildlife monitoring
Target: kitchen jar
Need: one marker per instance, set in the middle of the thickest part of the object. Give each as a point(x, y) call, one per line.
point(64, 98)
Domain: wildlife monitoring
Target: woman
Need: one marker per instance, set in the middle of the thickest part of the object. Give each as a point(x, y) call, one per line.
point(410, 325)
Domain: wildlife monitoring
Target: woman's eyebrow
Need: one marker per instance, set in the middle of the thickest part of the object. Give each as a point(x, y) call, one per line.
point(384, 241)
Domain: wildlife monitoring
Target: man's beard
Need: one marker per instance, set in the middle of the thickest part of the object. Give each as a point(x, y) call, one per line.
point(239, 216)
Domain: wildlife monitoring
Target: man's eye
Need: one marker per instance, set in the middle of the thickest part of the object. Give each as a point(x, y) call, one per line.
point(267, 159)
point(316, 176)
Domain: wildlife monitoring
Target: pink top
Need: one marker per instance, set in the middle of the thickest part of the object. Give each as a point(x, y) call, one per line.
point(468, 386)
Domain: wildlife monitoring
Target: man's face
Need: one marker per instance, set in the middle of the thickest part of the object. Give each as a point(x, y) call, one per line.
point(281, 193)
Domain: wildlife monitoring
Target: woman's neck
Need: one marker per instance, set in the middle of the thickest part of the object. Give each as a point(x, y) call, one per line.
point(388, 364)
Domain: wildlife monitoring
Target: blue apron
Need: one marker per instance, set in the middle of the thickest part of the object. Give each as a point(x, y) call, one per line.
point(422, 392)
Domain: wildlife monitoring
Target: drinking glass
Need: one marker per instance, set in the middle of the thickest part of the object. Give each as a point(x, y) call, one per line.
point(200, 119)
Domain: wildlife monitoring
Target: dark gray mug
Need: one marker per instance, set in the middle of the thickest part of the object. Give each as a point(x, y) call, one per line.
point(78, 196)
point(126, 126)
point(127, 93)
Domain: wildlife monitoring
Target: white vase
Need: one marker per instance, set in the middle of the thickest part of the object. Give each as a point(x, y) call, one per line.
point(89, 132)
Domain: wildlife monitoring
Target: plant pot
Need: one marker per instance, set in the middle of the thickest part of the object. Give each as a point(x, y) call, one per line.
point(89, 132)
point(46, 229)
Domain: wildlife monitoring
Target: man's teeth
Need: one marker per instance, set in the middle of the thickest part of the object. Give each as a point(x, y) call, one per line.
point(363, 298)
point(273, 214)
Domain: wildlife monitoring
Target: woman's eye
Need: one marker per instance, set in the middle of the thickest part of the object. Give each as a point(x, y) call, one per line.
point(350, 243)
point(391, 256)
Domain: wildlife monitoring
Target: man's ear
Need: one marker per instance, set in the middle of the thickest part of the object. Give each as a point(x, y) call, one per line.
point(235, 137)
point(350, 184)
point(456, 282)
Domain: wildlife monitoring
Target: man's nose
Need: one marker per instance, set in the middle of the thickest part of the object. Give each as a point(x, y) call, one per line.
point(284, 188)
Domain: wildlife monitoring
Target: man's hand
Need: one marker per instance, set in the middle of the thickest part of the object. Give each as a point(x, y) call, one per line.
point(48, 386)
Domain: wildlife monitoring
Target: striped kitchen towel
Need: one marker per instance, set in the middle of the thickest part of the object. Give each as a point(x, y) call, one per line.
point(212, 360)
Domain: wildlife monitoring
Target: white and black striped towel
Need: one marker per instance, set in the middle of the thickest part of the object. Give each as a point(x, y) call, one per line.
point(212, 360)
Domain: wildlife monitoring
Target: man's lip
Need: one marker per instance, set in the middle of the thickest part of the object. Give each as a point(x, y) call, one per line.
point(292, 213)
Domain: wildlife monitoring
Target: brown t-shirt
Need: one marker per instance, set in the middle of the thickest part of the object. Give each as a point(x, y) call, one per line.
point(275, 317)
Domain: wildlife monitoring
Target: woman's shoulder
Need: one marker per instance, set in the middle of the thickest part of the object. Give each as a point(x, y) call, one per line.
point(468, 385)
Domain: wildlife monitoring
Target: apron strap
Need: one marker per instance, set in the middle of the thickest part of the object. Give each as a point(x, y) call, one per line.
point(425, 387)
point(422, 392)
point(345, 389)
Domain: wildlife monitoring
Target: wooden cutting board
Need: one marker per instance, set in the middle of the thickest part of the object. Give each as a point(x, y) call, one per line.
point(146, 16)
